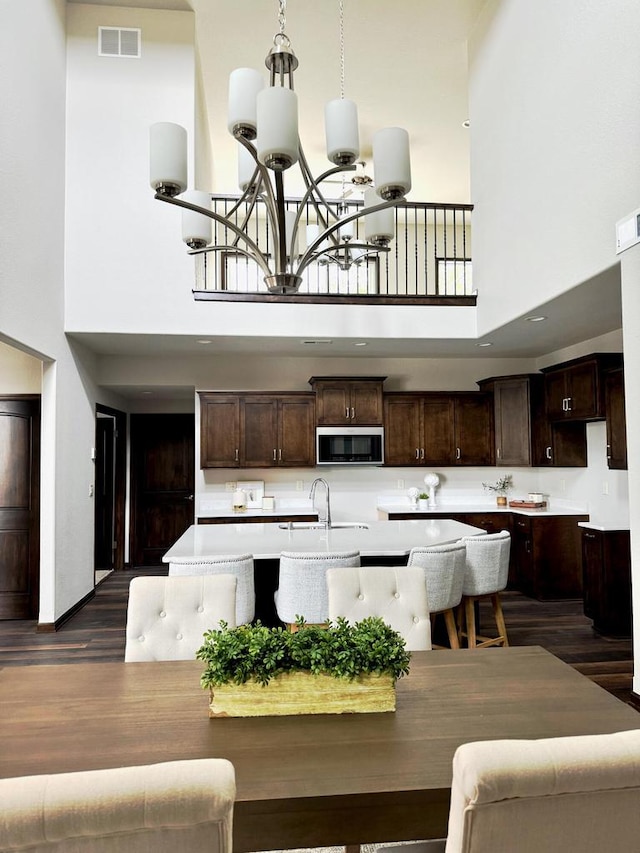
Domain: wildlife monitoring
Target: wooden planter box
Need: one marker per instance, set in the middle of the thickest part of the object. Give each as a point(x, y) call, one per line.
point(304, 693)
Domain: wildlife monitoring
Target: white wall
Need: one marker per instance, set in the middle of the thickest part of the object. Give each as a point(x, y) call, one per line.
point(554, 134)
point(19, 373)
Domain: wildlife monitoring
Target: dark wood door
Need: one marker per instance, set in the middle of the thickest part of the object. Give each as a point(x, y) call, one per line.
point(296, 431)
point(616, 420)
point(438, 417)
point(104, 498)
point(162, 481)
point(403, 430)
point(512, 422)
point(333, 403)
point(556, 394)
point(219, 431)
point(582, 388)
point(19, 507)
point(473, 430)
point(366, 403)
point(259, 431)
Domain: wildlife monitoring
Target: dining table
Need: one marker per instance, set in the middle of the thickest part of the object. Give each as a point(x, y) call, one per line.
point(308, 780)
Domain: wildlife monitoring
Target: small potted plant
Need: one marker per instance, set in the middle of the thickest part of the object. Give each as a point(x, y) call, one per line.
point(501, 487)
point(423, 500)
point(253, 670)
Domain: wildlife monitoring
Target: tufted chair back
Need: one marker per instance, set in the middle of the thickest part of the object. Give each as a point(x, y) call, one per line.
point(167, 617)
point(240, 565)
point(176, 805)
point(397, 594)
point(302, 584)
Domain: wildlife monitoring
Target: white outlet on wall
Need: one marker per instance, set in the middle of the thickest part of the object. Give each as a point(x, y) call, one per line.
point(299, 485)
point(230, 486)
point(605, 488)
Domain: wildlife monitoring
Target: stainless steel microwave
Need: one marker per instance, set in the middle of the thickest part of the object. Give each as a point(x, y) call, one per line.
point(349, 445)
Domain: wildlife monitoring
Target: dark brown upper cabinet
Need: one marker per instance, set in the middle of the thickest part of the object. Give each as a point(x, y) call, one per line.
point(615, 419)
point(574, 390)
point(348, 401)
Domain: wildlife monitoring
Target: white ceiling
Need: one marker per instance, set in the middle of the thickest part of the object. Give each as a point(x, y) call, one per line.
point(405, 64)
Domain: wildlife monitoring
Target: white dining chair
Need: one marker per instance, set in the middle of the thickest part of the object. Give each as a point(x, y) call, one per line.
point(444, 569)
point(184, 806)
point(167, 617)
point(397, 594)
point(302, 584)
point(551, 795)
point(240, 565)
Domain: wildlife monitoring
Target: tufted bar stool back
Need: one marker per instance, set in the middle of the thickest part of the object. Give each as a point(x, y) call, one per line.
point(240, 565)
point(302, 584)
point(444, 569)
point(397, 594)
point(167, 617)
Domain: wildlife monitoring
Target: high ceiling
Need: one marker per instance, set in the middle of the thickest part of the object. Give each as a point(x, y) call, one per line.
point(406, 65)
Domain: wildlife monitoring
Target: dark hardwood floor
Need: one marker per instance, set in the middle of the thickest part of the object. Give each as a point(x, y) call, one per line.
point(96, 634)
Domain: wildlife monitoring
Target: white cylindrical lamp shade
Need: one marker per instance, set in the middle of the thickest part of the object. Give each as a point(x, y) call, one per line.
point(391, 162)
point(196, 227)
point(341, 131)
point(289, 221)
point(277, 110)
point(244, 85)
point(379, 227)
point(246, 167)
point(168, 158)
point(346, 232)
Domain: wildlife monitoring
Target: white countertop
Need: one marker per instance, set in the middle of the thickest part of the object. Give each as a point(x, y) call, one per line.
point(591, 525)
point(227, 512)
point(266, 541)
point(456, 508)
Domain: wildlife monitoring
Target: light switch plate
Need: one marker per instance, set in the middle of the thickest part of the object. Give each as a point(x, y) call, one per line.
point(628, 231)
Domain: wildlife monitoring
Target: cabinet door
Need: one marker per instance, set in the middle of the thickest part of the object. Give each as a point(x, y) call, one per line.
point(366, 403)
point(473, 430)
point(333, 403)
point(556, 394)
point(560, 444)
point(438, 420)
point(219, 431)
point(616, 420)
point(592, 572)
point(523, 564)
point(582, 391)
point(259, 430)
point(403, 431)
point(512, 422)
point(296, 424)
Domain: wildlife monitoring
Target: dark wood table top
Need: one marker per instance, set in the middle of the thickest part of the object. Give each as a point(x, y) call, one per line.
point(309, 780)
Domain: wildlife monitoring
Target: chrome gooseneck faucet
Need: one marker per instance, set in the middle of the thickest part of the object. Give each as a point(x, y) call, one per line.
point(327, 519)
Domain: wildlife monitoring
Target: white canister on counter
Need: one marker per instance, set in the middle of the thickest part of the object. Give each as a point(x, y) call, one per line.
point(536, 497)
point(239, 500)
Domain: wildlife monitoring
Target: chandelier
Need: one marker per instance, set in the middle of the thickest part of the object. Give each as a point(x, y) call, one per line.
point(264, 121)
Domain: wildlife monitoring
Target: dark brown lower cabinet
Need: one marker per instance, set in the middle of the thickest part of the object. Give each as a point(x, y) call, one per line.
point(606, 567)
point(546, 552)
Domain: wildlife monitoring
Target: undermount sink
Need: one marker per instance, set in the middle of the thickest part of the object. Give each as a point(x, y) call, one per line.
point(316, 525)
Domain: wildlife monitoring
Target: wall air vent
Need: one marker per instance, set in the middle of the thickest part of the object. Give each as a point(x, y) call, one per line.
point(119, 41)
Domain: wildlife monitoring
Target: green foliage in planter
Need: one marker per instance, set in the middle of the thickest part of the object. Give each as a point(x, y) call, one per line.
point(235, 655)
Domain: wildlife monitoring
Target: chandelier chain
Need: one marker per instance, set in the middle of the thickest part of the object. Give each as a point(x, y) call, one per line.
point(341, 4)
point(282, 16)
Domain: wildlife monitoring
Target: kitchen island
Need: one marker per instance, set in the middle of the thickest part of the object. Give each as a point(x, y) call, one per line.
point(379, 543)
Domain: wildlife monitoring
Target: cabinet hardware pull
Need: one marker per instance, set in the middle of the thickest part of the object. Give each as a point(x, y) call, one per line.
point(422, 453)
point(608, 451)
point(237, 457)
point(548, 452)
point(274, 454)
point(353, 412)
point(458, 454)
point(346, 413)
point(280, 454)
point(589, 536)
point(417, 453)
point(569, 406)
point(498, 452)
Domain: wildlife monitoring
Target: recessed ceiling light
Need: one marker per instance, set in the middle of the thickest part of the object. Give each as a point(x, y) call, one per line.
point(486, 344)
point(361, 344)
point(315, 342)
point(147, 393)
point(537, 319)
point(204, 342)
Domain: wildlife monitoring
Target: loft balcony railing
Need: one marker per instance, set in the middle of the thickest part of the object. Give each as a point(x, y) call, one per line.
point(428, 262)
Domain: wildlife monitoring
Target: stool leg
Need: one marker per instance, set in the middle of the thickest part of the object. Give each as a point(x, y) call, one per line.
point(452, 631)
point(470, 617)
point(499, 617)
